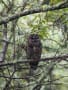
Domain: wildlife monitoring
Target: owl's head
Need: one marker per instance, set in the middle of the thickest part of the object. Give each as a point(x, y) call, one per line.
point(34, 36)
point(34, 39)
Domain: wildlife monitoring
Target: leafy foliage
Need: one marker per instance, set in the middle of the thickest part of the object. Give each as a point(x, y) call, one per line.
point(52, 26)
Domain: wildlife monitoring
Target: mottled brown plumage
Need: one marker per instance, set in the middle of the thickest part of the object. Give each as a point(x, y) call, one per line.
point(33, 51)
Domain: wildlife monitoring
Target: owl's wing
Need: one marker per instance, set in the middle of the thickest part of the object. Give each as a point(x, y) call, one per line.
point(29, 52)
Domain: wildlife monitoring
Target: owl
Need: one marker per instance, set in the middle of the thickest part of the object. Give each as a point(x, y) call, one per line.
point(34, 50)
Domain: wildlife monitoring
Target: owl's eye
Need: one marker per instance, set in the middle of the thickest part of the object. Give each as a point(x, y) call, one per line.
point(34, 36)
point(31, 46)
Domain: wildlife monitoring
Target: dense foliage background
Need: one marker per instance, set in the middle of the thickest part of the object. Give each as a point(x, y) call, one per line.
point(20, 18)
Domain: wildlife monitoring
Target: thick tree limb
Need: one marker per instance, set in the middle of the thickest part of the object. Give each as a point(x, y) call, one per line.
point(5, 44)
point(59, 58)
point(33, 11)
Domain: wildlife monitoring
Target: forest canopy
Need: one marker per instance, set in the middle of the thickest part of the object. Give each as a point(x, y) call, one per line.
point(48, 19)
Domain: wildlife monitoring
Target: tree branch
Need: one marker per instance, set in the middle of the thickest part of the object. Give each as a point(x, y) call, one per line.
point(5, 44)
point(59, 58)
point(33, 11)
